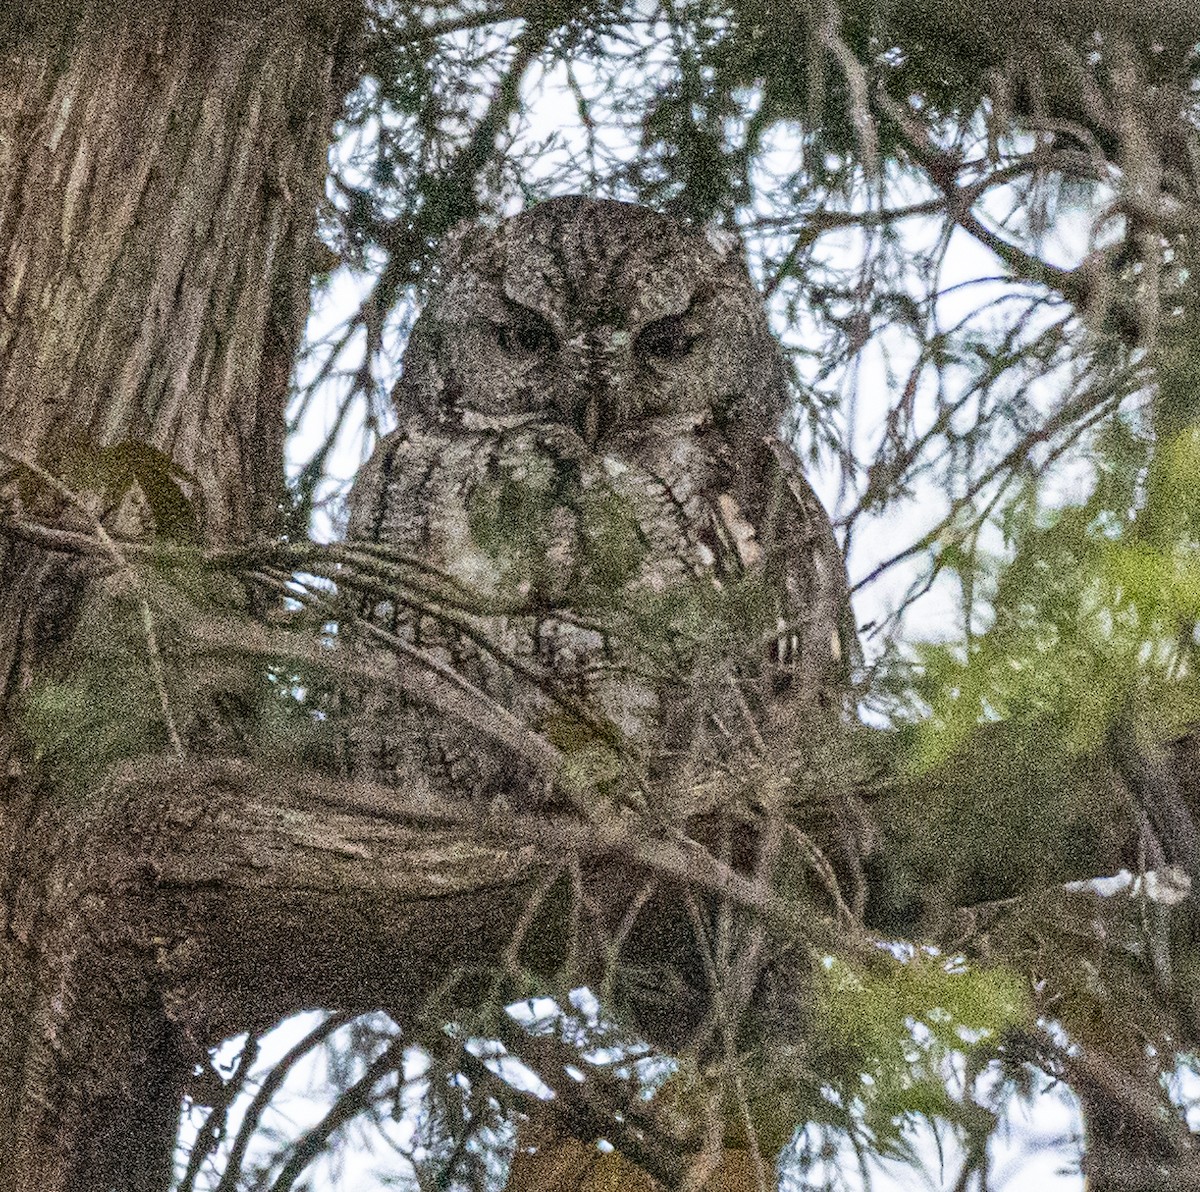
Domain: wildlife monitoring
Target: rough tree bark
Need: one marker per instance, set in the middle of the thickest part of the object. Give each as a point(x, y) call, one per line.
point(160, 168)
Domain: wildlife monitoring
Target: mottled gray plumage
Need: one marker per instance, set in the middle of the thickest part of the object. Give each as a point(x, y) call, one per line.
point(588, 444)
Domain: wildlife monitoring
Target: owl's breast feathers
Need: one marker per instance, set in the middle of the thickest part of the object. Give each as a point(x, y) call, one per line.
point(653, 583)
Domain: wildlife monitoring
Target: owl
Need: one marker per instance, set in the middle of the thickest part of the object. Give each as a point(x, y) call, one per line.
point(610, 545)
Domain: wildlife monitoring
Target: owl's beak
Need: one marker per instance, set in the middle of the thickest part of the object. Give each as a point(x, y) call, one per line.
point(594, 417)
point(595, 407)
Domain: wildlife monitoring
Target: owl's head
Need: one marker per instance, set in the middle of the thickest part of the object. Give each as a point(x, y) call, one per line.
point(603, 318)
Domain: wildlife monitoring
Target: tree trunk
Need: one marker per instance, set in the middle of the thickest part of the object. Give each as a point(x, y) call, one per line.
point(160, 171)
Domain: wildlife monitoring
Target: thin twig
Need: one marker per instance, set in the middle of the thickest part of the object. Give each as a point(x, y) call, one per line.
point(710, 1159)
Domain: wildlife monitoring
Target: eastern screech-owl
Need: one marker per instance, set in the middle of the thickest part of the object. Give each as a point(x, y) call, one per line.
point(588, 444)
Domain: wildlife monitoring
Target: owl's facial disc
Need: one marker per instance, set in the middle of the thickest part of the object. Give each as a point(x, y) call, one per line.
point(601, 318)
point(596, 369)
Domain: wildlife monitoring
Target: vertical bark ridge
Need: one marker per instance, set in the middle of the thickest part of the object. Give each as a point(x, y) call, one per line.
point(161, 167)
point(159, 193)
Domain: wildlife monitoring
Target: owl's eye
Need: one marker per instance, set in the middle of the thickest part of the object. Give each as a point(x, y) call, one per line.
point(666, 339)
point(525, 333)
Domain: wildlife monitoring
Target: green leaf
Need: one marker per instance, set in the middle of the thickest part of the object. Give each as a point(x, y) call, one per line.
point(113, 470)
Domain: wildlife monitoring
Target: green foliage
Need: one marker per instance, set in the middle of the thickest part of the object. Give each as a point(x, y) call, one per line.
point(612, 546)
point(1008, 813)
point(1015, 742)
point(693, 623)
point(1087, 630)
point(898, 1027)
point(112, 471)
point(522, 514)
point(592, 770)
point(1092, 622)
point(104, 710)
point(283, 711)
point(509, 518)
